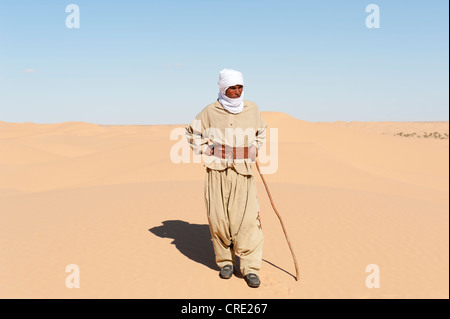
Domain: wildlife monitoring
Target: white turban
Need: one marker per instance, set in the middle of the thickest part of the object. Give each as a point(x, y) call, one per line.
point(229, 78)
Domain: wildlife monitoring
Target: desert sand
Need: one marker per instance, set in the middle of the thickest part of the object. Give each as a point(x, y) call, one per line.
point(109, 200)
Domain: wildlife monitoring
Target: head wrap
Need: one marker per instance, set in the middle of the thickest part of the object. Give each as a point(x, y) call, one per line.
point(229, 78)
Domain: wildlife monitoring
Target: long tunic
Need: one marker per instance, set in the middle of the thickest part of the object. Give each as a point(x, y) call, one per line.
point(230, 191)
point(214, 125)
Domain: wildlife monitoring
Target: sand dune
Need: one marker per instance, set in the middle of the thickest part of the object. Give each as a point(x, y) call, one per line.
point(110, 200)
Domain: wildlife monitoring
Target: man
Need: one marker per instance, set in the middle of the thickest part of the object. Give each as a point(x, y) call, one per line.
point(229, 133)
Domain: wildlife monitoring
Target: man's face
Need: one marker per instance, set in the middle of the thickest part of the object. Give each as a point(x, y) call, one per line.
point(233, 92)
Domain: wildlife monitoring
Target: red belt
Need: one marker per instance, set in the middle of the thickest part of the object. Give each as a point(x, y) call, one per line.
point(228, 152)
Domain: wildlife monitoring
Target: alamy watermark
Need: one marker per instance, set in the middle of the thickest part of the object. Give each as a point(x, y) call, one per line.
point(73, 19)
point(373, 279)
point(73, 279)
point(180, 152)
point(373, 19)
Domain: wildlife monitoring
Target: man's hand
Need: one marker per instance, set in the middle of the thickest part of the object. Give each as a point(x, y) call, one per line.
point(209, 151)
point(253, 152)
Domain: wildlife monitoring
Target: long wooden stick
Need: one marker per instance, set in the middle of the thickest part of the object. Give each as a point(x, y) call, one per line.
point(281, 221)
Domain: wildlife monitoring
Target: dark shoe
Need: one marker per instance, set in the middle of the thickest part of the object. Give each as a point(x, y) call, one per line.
point(226, 272)
point(252, 280)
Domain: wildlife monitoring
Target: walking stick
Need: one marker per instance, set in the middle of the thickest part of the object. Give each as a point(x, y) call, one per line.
point(281, 221)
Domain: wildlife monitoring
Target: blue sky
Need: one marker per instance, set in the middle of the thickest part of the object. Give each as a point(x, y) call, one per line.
point(157, 62)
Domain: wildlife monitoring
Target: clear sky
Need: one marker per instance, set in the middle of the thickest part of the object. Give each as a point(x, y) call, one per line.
point(157, 62)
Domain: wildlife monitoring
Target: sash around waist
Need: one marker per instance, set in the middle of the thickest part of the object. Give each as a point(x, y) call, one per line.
point(228, 152)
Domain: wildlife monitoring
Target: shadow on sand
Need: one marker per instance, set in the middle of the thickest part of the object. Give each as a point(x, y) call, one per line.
point(194, 241)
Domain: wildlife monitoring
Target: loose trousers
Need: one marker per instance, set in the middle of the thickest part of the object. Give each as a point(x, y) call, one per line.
point(233, 215)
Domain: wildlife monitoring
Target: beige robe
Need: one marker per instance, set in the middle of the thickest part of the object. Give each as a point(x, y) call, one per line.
point(230, 191)
point(215, 125)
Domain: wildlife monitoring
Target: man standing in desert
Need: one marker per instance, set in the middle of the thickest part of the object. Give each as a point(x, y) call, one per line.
point(229, 133)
